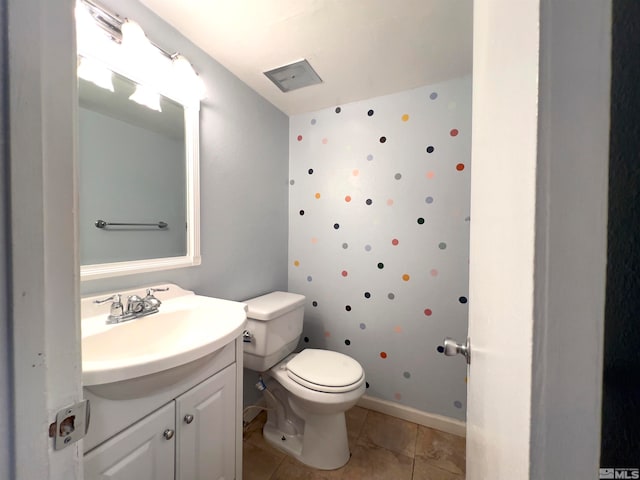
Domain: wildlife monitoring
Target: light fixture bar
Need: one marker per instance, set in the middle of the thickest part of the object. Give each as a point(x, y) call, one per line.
point(111, 23)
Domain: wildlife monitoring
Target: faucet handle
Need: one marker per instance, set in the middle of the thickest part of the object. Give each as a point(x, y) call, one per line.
point(151, 291)
point(115, 297)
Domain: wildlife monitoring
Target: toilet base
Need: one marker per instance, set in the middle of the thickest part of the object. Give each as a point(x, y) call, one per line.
point(323, 445)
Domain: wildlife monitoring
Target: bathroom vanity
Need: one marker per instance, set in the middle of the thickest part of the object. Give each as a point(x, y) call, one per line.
point(165, 389)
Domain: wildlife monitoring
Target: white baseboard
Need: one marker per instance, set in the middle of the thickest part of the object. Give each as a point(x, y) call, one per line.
point(432, 420)
point(249, 414)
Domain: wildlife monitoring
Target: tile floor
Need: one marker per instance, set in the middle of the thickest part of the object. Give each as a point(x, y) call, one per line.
point(382, 447)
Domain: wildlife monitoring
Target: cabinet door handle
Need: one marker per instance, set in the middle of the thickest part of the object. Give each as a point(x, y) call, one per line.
point(188, 418)
point(168, 434)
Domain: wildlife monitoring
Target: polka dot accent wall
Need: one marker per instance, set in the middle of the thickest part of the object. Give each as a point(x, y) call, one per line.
point(379, 238)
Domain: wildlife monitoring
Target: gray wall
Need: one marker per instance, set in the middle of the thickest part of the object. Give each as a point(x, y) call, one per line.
point(244, 174)
point(5, 384)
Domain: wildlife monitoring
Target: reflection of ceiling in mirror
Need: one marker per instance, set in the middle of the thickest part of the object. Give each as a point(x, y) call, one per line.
point(169, 122)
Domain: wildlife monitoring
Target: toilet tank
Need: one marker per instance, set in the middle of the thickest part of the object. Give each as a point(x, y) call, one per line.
point(274, 322)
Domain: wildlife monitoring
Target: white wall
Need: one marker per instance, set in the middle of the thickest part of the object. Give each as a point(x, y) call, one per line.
point(391, 281)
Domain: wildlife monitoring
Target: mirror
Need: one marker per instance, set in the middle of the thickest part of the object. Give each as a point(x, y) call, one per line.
point(138, 161)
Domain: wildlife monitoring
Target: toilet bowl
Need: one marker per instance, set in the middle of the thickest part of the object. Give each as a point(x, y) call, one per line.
point(307, 393)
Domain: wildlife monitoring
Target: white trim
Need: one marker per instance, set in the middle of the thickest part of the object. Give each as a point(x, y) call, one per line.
point(432, 420)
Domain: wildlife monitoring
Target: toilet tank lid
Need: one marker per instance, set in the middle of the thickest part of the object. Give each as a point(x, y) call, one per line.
point(272, 305)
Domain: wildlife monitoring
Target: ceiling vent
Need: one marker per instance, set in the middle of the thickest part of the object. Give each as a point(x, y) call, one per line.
point(293, 76)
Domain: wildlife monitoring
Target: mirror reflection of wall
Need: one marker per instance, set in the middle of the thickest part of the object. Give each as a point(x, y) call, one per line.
point(131, 170)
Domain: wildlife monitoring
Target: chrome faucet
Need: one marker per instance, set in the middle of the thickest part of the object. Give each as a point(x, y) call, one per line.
point(136, 306)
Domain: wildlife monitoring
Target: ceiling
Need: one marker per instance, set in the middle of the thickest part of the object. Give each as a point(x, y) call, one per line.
point(360, 48)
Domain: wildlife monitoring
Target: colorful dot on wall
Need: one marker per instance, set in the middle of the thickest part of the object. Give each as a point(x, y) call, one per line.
point(433, 272)
point(314, 303)
point(406, 375)
point(429, 200)
point(306, 339)
point(368, 201)
point(370, 113)
point(314, 240)
point(397, 329)
point(347, 198)
point(366, 384)
point(394, 242)
point(462, 300)
point(440, 349)
point(317, 195)
point(325, 141)
point(347, 342)
point(397, 396)
point(430, 149)
point(454, 132)
point(433, 95)
point(460, 167)
point(397, 176)
point(391, 295)
point(309, 278)
point(442, 246)
point(327, 334)
point(430, 175)
point(457, 404)
point(313, 121)
point(301, 212)
point(336, 226)
point(347, 308)
point(405, 118)
point(363, 326)
point(367, 294)
point(380, 265)
point(344, 273)
point(310, 171)
point(292, 182)
point(383, 139)
point(367, 248)
point(369, 157)
point(390, 201)
point(299, 138)
point(383, 354)
point(296, 263)
point(428, 312)
point(345, 245)
point(420, 221)
point(338, 110)
point(355, 172)
point(406, 277)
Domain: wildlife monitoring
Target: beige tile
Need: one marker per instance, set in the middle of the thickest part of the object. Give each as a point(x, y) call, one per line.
point(257, 440)
point(442, 450)
point(255, 425)
point(291, 469)
point(258, 464)
point(422, 470)
point(375, 463)
point(355, 421)
point(389, 432)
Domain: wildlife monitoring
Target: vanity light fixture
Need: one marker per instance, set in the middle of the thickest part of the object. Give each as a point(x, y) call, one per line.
point(105, 36)
point(95, 73)
point(147, 97)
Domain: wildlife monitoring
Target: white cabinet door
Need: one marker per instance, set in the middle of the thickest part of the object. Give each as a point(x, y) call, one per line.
point(205, 419)
point(141, 452)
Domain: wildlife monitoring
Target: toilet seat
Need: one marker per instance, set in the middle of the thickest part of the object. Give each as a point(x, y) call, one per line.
point(325, 371)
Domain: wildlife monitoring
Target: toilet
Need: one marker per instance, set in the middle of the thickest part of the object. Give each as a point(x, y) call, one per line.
point(307, 393)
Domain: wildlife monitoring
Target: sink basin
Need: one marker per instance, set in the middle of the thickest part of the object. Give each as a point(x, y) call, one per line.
point(187, 328)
